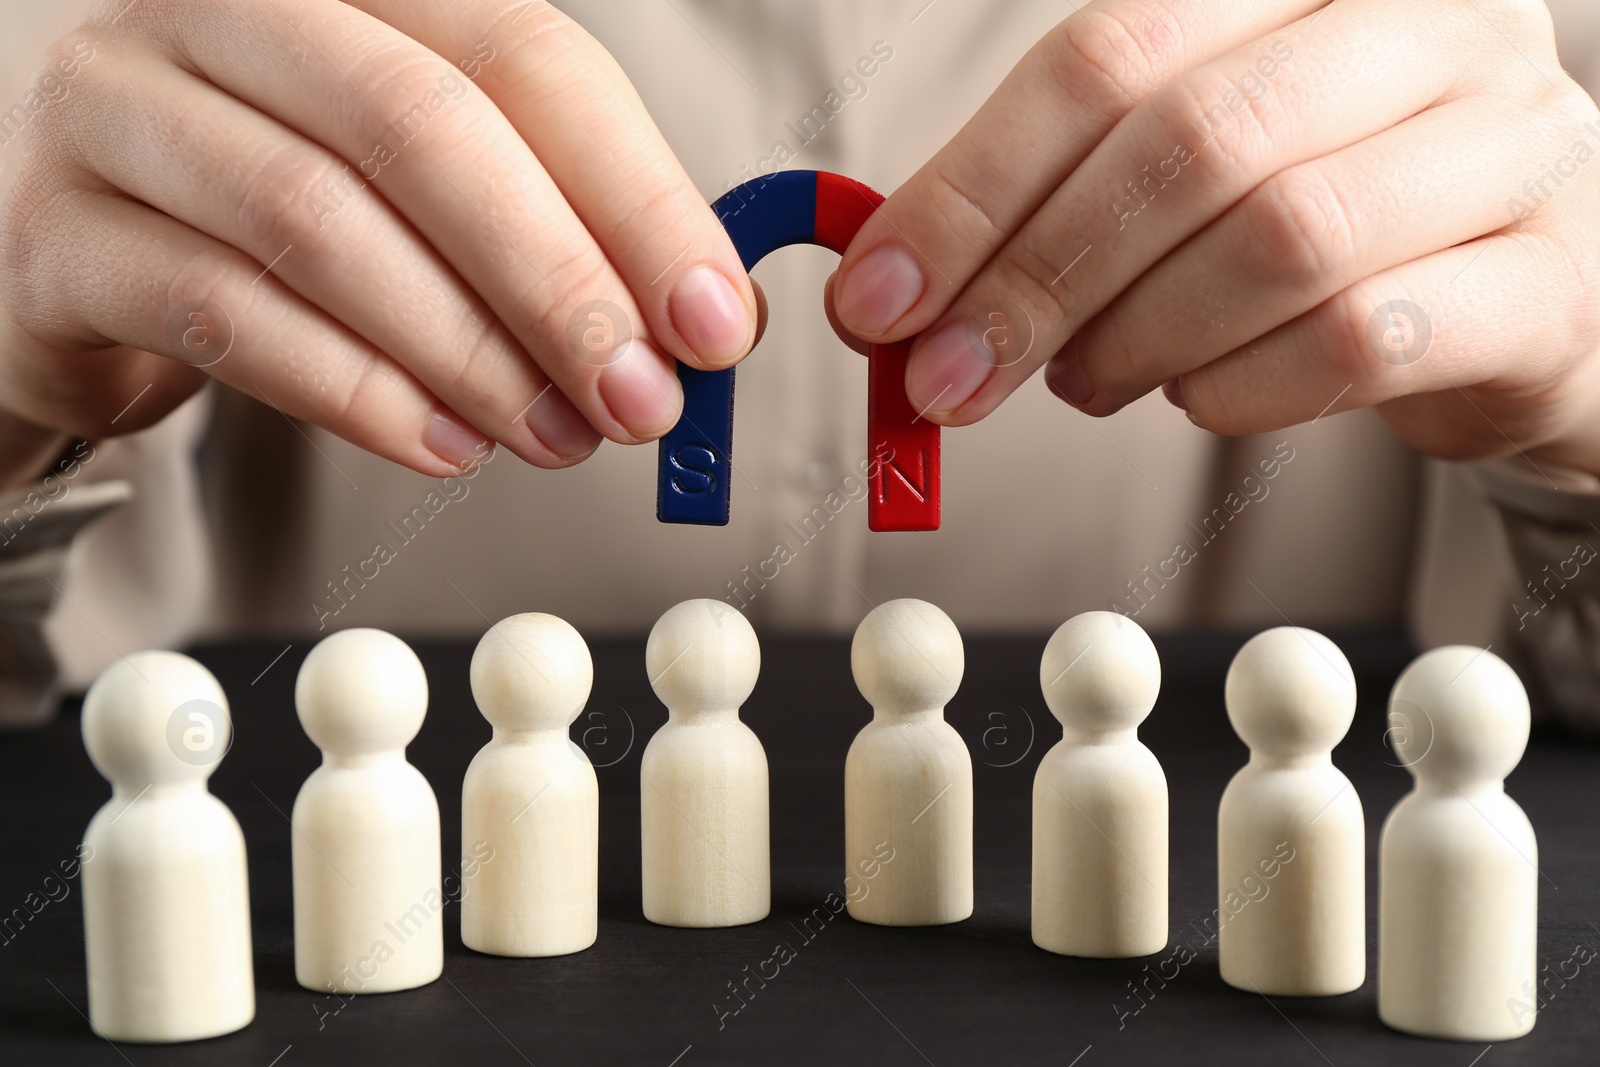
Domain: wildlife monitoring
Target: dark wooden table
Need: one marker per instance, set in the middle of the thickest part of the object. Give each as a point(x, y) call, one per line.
point(974, 993)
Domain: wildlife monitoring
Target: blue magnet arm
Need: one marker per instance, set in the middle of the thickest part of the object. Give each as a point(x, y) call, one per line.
point(694, 467)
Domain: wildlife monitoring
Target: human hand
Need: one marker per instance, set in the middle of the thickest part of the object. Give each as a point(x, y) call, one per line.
point(424, 227)
point(1276, 210)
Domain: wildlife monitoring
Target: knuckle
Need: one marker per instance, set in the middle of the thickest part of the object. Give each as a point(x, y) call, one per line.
point(213, 276)
point(278, 204)
point(1573, 95)
point(1098, 59)
point(1228, 132)
point(1301, 229)
point(1027, 275)
point(1527, 20)
point(368, 392)
point(123, 17)
point(39, 228)
point(23, 234)
point(550, 51)
point(1586, 312)
point(485, 348)
point(584, 275)
point(554, 32)
point(661, 208)
point(44, 113)
point(1586, 281)
point(956, 207)
point(1348, 347)
point(1111, 362)
point(1213, 406)
point(63, 59)
point(406, 89)
point(1210, 411)
point(1574, 284)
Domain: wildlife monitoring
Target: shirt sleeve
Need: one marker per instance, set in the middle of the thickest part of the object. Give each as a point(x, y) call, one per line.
point(1551, 517)
point(37, 527)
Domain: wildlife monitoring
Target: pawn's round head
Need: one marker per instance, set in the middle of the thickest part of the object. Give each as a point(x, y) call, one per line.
point(361, 692)
point(1290, 692)
point(702, 655)
point(156, 718)
point(1100, 672)
point(531, 672)
point(1458, 714)
point(907, 656)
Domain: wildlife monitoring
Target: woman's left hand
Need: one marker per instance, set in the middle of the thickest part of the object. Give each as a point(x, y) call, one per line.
point(1276, 210)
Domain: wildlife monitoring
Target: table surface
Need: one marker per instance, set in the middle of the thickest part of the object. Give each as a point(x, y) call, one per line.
point(977, 992)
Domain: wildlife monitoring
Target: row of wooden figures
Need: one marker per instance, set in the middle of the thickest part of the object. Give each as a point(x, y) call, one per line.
point(166, 903)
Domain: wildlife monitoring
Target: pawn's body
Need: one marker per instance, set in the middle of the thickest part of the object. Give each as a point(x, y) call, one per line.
point(1458, 879)
point(368, 910)
point(1100, 797)
point(1291, 839)
point(530, 803)
point(166, 903)
point(703, 778)
point(908, 776)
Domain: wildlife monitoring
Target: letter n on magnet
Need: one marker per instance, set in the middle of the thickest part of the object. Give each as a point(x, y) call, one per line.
point(904, 446)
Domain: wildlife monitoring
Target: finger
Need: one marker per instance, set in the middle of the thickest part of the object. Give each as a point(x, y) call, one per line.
point(830, 309)
point(1483, 312)
point(761, 312)
point(439, 150)
point(913, 257)
point(230, 172)
point(121, 273)
point(1305, 234)
point(610, 161)
point(1225, 146)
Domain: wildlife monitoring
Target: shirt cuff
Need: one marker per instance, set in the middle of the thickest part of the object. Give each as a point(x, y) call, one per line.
point(1551, 517)
point(37, 525)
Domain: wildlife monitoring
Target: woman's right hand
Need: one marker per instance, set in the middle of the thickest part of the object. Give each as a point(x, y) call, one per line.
point(428, 228)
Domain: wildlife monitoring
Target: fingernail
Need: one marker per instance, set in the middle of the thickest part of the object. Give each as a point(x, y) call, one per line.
point(561, 427)
point(1066, 379)
point(946, 372)
point(642, 391)
point(1173, 391)
point(708, 314)
point(879, 290)
point(454, 441)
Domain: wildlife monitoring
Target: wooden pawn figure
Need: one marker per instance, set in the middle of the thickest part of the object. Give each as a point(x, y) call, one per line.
point(703, 778)
point(1458, 875)
point(1100, 796)
point(166, 900)
point(367, 901)
point(908, 776)
point(1291, 838)
point(530, 803)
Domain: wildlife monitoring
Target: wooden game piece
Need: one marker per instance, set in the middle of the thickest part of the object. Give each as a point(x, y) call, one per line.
point(166, 900)
point(1458, 875)
point(367, 900)
point(1100, 797)
point(908, 776)
point(1291, 840)
point(694, 464)
point(703, 778)
point(530, 804)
